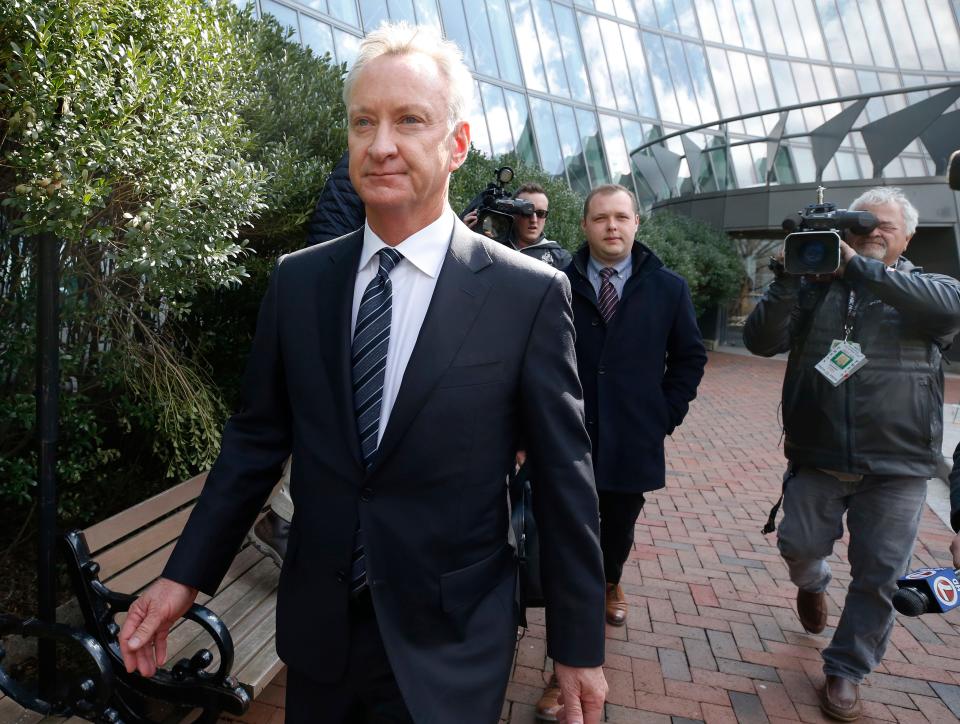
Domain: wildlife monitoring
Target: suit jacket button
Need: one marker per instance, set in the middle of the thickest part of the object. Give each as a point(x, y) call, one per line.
point(366, 494)
point(341, 576)
point(602, 371)
point(595, 322)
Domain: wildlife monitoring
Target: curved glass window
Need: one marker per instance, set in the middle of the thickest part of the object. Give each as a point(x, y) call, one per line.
point(766, 97)
point(287, 17)
point(748, 24)
point(701, 82)
point(790, 24)
point(662, 83)
point(619, 70)
point(498, 123)
point(638, 71)
point(503, 41)
point(617, 157)
point(682, 83)
point(728, 22)
point(687, 18)
point(667, 16)
point(345, 11)
point(373, 12)
point(946, 32)
point(726, 88)
point(572, 149)
point(526, 31)
point(550, 47)
point(592, 147)
point(483, 47)
point(479, 135)
point(624, 10)
point(855, 33)
point(454, 23)
point(810, 29)
point(551, 159)
point(427, 13)
point(925, 36)
point(879, 43)
point(347, 46)
point(770, 26)
point(896, 18)
point(596, 60)
point(740, 69)
point(317, 36)
point(709, 23)
point(520, 125)
point(833, 27)
point(572, 55)
point(646, 14)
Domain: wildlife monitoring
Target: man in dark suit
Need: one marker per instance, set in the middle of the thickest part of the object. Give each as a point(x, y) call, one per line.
point(399, 365)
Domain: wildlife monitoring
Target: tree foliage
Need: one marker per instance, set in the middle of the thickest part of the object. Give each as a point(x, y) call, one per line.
point(160, 144)
point(703, 255)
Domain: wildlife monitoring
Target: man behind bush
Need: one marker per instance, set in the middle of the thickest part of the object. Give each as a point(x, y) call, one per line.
point(866, 446)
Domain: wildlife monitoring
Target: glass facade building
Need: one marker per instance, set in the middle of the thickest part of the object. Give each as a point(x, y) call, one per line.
point(576, 85)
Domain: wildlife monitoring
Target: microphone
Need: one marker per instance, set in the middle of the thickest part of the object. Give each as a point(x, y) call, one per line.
point(928, 590)
point(953, 171)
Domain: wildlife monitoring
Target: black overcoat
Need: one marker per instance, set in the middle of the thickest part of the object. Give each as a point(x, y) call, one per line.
point(493, 362)
point(639, 373)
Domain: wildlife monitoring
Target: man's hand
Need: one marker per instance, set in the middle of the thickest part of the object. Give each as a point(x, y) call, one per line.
point(582, 693)
point(143, 638)
point(955, 550)
point(471, 219)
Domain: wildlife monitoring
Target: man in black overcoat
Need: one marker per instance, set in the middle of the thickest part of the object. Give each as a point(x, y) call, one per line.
point(400, 364)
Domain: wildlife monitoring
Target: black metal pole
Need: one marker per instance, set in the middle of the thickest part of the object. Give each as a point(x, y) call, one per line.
point(48, 388)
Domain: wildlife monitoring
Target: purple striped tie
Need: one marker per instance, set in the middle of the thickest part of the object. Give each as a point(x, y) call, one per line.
point(608, 294)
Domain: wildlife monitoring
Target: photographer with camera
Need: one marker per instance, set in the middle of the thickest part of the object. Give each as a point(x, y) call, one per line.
point(862, 412)
point(527, 235)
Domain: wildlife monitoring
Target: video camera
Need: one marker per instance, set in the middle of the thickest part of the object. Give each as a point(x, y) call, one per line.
point(496, 208)
point(812, 245)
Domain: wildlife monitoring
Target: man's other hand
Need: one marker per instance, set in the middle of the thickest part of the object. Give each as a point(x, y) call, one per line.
point(471, 219)
point(143, 638)
point(582, 693)
point(955, 550)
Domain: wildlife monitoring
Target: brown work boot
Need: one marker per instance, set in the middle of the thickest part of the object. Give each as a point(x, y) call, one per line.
point(616, 605)
point(840, 699)
point(549, 705)
point(269, 536)
point(812, 610)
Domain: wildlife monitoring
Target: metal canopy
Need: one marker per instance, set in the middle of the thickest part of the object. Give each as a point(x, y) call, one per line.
point(773, 144)
point(887, 137)
point(694, 157)
point(826, 139)
point(941, 139)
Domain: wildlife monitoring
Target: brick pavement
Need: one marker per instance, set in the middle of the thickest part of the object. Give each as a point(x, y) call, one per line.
point(712, 634)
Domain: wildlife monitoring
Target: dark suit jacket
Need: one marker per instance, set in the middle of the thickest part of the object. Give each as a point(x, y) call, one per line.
point(640, 373)
point(494, 361)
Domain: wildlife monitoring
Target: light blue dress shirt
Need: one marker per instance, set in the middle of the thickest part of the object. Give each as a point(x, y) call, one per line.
point(624, 270)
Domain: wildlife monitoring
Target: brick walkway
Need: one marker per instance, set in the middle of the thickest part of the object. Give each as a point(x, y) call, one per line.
point(712, 634)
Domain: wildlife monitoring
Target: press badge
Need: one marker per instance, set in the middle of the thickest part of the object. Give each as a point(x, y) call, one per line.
point(843, 359)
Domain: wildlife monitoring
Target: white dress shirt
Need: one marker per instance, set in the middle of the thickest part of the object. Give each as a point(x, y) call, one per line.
point(413, 281)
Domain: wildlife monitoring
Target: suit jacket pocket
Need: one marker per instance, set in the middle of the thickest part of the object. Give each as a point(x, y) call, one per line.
point(467, 375)
point(465, 586)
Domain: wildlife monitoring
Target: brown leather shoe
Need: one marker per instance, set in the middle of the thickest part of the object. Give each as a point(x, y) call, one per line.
point(549, 705)
point(812, 610)
point(616, 605)
point(270, 535)
point(840, 699)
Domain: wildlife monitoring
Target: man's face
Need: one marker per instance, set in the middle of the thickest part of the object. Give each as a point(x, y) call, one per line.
point(402, 149)
point(610, 227)
point(889, 240)
point(527, 229)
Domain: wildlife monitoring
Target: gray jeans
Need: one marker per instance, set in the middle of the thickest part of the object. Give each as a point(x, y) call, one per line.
point(883, 514)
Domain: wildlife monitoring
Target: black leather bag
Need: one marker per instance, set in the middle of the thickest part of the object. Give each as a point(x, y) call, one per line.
point(529, 592)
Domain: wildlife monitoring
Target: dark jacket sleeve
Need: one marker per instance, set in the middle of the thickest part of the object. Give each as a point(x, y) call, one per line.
point(339, 209)
point(255, 443)
point(564, 493)
point(954, 478)
point(930, 301)
point(686, 358)
point(767, 330)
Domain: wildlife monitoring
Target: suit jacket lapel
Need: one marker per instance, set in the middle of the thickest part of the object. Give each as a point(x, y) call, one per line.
point(337, 288)
point(457, 299)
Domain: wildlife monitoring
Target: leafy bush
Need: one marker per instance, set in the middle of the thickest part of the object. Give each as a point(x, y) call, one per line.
point(162, 143)
point(703, 255)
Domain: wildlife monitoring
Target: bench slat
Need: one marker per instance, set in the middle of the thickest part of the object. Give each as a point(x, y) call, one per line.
point(126, 522)
point(115, 558)
point(256, 661)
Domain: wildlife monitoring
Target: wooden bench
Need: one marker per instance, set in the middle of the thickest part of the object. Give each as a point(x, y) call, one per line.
point(132, 548)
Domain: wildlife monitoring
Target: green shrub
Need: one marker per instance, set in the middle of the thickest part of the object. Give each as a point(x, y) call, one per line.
point(164, 144)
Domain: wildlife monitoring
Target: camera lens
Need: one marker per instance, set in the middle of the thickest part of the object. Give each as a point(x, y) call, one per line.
point(813, 253)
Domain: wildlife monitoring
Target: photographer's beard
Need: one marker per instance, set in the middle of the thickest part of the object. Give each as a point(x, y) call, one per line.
point(870, 247)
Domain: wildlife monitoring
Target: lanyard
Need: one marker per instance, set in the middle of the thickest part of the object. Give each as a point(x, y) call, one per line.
point(852, 304)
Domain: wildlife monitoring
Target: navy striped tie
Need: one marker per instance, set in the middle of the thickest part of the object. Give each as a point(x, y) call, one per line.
point(608, 294)
point(371, 340)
